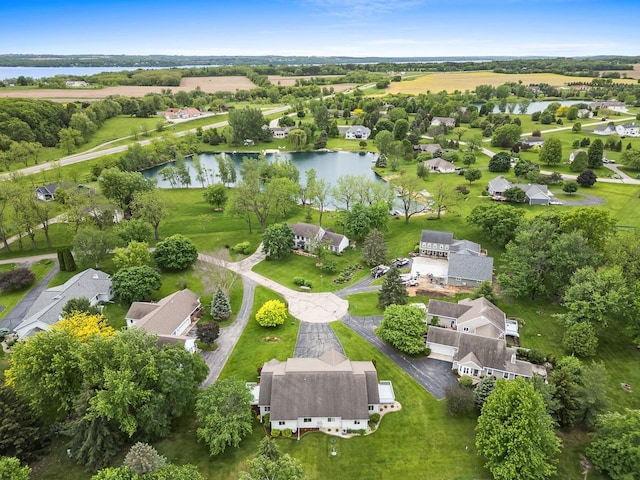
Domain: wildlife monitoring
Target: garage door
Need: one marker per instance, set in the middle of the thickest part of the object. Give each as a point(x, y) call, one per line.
point(443, 350)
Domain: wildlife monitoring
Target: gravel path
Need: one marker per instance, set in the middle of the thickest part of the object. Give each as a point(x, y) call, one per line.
point(582, 200)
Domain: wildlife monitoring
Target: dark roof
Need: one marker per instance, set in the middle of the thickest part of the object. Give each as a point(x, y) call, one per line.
point(305, 230)
point(446, 309)
point(49, 189)
point(329, 386)
point(436, 236)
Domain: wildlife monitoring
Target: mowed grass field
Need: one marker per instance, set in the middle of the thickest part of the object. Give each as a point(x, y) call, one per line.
point(451, 81)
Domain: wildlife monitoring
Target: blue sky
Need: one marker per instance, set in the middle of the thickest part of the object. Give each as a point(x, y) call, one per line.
point(358, 28)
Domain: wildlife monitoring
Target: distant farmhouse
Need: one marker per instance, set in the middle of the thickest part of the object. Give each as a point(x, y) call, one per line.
point(535, 194)
point(327, 392)
point(609, 105)
point(47, 309)
point(449, 122)
point(466, 263)
point(306, 234)
point(181, 113)
point(280, 132)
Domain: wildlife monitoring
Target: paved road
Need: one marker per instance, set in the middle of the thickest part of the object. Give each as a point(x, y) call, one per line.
point(433, 375)
point(358, 287)
point(314, 339)
point(229, 336)
point(19, 312)
point(89, 155)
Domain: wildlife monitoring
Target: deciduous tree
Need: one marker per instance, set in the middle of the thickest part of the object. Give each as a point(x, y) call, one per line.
point(403, 327)
point(148, 206)
point(551, 151)
point(498, 222)
point(136, 254)
point(614, 446)
point(278, 241)
point(216, 195)
point(223, 411)
point(175, 253)
point(133, 284)
point(515, 433)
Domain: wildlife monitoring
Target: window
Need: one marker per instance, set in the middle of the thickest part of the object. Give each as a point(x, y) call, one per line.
point(356, 422)
point(505, 375)
point(307, 420)
point(372, 407)
point(281, 422)
point(330, 420)
point(267, 409)
point(465, 329)
point(489, 371)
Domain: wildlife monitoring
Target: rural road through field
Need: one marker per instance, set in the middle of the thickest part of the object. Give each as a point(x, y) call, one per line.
point(90, 155)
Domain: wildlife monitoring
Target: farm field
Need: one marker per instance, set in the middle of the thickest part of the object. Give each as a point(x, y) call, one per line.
point(206, 84)
point(450, 81)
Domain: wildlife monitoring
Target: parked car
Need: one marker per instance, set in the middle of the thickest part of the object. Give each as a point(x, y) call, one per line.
point(414, 282)
point(380, 270)
point(399, 262)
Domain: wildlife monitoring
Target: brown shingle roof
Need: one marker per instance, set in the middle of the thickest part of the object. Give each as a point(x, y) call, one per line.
point(170, 312)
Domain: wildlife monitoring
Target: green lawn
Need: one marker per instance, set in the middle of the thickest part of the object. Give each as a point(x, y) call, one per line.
point(11, 299)
point(255, 346)
point(285, 270)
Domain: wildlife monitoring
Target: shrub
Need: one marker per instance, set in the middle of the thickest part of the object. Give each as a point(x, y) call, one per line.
point(307, 283)
point(271, 314)
point(329, 266)
point(275, 432)
point(465, 381)
point(287, 433)
point(374, 417)
point(460, 400)
point(242, 247)
point(536, 356)
point(298, 281)
point(16, 279)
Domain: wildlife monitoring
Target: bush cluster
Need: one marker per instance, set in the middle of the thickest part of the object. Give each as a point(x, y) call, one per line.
point(301, 282)
point(242, 247)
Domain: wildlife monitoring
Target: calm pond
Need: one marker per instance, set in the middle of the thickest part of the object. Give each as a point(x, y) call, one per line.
point(328, 165)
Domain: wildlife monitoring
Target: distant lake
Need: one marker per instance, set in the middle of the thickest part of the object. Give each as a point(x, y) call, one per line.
point(536, 106)
point(45, 72)
point(328, 165)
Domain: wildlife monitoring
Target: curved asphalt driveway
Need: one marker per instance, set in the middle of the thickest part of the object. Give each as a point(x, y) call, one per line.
point(19, 312)
point(433, 375)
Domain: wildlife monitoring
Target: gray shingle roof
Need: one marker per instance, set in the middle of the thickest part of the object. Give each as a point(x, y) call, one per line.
point(329, 386)
point(439, 163)
point(305, 230)
point(446, 309)
point(437, 236)
point(481, 307)
point(333, 238)
point(465, 247)
point(48, 306)
point(168, 313)
point(470, 267)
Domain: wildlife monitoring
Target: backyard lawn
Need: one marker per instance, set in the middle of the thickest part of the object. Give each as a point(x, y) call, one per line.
point(11, 299)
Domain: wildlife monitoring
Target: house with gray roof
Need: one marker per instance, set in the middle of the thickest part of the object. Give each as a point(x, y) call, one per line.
point(433, 148)
point(446, 121)
point(170, 318)
point(280, 132)
point(440, 165)
point(627, 129)
point(306, 234)
point(46, 193)
point(326, 392)
point(47, 309)
point(609, 129)
point(476, 356)
point(535, 194)
point(609, 105)
point(357, 132)
point(532, 142)
point(467, 263)
point(476, 316)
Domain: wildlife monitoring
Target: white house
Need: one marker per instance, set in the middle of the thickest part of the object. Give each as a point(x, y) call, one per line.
point(446, 121)
point(609, 105)
point(170, 318)
point(46, 193)
point(627, 130)
point(47, 309)
point(532, 142)
point(440, 165)
point(584, 113)
point(327, 392)
point(305, 234)
point(357, 132)
point(280, 132)
point(609, 129)
point(181, 113)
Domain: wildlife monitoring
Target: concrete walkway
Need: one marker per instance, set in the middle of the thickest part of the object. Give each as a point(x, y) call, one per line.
point(305, 306)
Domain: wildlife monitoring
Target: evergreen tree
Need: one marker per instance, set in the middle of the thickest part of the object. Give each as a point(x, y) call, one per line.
point(220, 307)
point(485, 387)
point(393, 290)
point(142, 458)
point(69, 262)
point(374, 249)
